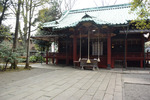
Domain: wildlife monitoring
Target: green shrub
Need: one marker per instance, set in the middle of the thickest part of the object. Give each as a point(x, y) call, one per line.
point(1, 68)
point(33, 58)
point(7, 55)
point(39, 58)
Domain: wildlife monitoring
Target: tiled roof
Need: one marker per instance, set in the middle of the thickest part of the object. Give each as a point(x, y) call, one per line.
point(107, 15)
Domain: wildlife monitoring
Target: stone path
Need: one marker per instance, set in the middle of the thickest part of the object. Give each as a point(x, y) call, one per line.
point(62, 83)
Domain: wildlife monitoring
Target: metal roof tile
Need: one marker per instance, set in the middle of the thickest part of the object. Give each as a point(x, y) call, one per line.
point(112, 15)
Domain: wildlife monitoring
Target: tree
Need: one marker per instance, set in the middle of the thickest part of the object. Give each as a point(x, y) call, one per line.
point(25, 14)
point(27, 11)
point(1, 7)
point(46, 15)
point(68, 4)
point(4, 30)
point(40, 43)
point(49, 14)
point(32, 5)
point(7, 55)
point(4, 33)
point(30, 17)
point(142, 9)
point(64, 5)
point(4, 4)
point(14, 64)
point(106, 3)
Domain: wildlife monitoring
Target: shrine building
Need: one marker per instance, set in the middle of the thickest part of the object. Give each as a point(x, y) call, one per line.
point(101, 33)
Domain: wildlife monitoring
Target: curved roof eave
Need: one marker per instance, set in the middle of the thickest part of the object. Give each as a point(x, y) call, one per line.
point(116, 15)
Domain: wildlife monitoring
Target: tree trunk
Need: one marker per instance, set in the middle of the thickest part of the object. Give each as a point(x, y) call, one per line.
point(14, 65)
point(25, 18)
point(6, 65)
point(28, 42)
point(3, 12)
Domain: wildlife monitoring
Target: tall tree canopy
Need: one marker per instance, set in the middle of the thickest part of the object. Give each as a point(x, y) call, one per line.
point(142, 9)
point(49, 14)
point(46, 15)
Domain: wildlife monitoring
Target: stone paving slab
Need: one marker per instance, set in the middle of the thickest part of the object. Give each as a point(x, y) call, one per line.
point(65, 83)
point(11, 77)
point(61, 84)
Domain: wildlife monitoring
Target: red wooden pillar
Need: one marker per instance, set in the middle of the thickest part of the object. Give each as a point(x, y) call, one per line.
point(143, 52)
point(67, 61)
point(112, 63)
point(141, 63)
point(56, 61)
point(67, 52)
point(74, 48)
point(126, 52)
point(52, 60)
point(109, 51)
point(46, 57)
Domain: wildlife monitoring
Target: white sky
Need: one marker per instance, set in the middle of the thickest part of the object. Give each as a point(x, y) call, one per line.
point(78, 5)
point(96, 3)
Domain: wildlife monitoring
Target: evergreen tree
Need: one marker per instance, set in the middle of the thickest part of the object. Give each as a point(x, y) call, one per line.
point(47, 15)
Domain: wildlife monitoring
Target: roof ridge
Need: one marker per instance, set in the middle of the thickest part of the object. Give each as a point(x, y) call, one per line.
point(110, 7)
point(92, 17)
point(61, 18)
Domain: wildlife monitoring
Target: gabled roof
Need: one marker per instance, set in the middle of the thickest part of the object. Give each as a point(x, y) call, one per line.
point(107, 15)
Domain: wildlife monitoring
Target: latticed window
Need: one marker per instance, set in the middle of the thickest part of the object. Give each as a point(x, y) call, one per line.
point(96, 48)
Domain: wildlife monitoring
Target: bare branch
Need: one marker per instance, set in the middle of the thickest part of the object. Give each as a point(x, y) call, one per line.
point(95, 3)
point(103, 3)
point(115, 1)
point(13, 5)
point(107, 3)
point(73, 3)
point(14, 12)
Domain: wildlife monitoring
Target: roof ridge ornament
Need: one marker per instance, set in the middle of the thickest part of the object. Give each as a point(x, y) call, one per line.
point(86, 16)
point(56, 22)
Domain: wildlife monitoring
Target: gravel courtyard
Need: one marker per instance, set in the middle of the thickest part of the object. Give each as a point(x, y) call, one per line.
point(48, 82)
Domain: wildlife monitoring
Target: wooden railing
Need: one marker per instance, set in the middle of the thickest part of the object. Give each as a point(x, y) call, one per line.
point(57, 55)
point(119, 55)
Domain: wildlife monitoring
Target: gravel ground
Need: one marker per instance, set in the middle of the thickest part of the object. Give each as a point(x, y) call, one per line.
point(9, 77)
point(137, 90)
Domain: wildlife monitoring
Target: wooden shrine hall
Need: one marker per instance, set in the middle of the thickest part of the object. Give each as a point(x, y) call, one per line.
point(101, 33)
